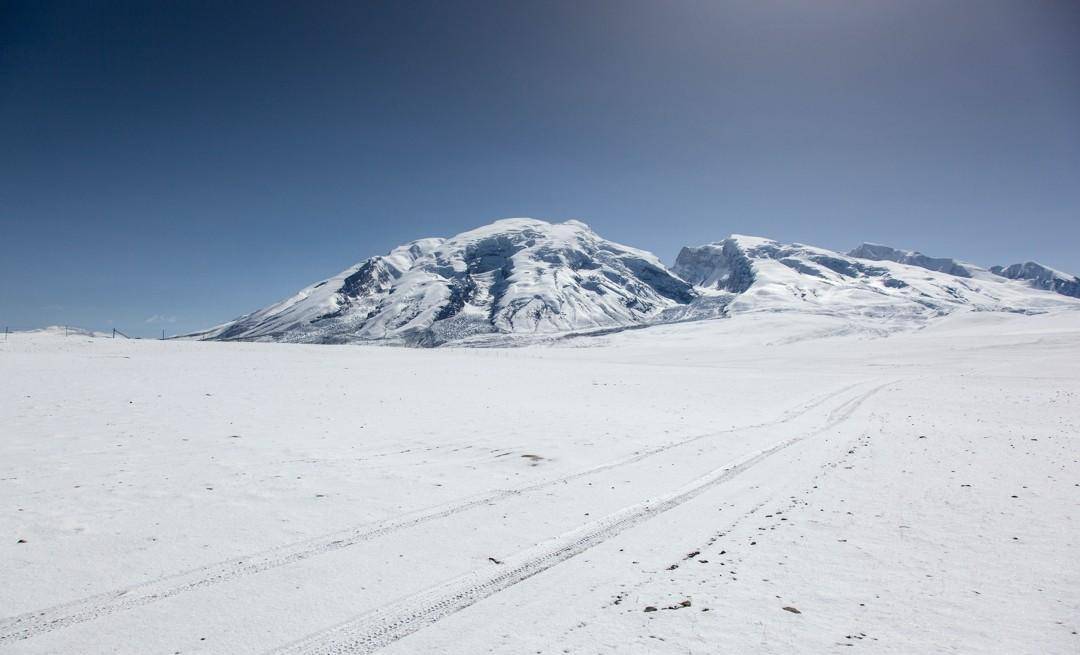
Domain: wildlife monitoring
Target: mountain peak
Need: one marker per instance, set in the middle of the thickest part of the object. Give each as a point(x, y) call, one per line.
point(511, 276)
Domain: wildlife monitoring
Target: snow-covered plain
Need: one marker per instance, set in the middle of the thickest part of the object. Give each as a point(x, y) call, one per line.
point(769, 483)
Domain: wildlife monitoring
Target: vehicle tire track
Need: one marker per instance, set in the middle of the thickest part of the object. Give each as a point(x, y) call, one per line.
point(31, 624)
point(371, 631)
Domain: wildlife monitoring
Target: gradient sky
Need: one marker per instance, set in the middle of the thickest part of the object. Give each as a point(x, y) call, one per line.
point(177, 164)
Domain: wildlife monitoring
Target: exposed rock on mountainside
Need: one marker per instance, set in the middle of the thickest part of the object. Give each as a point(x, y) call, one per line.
point(722, 266)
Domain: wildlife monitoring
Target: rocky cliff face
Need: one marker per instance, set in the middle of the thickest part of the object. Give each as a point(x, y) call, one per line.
point(722, 266)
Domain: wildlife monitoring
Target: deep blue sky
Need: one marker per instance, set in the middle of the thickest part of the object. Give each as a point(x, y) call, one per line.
point(192, 161)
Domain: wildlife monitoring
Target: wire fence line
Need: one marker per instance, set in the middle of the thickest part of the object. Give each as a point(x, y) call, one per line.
point(70, 331)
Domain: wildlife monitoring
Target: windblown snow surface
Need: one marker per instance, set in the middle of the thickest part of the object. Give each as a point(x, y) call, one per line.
point(775, 482)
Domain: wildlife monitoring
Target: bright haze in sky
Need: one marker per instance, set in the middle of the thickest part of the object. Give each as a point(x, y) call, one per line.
point(173, 165)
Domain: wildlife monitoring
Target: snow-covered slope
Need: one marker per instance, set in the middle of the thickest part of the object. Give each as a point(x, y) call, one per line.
point(771, 276)
point(1041, 277)
point(519, 276)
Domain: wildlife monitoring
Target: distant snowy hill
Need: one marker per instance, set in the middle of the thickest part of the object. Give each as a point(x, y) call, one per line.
point(67, 331)
point(1041, 277)
point(519, 278)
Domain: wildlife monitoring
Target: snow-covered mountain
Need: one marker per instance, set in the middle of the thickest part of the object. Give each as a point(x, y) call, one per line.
point(512, 276)
point(524, 277)
point(1041, 277)
point(880, 282)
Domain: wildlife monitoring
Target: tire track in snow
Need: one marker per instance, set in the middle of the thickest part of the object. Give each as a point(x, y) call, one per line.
point(374, 630)
point(31, 624)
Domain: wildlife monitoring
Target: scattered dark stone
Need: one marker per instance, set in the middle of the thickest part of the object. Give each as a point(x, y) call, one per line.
point(791, 609)
point(21, 541)
point(693, 554)
point(650, 608)
point(672, 567)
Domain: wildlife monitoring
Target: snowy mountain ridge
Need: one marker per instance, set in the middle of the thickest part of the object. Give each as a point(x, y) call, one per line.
point(524, 277)
point(766, 275)
point(878, 252)
point(512, 276)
